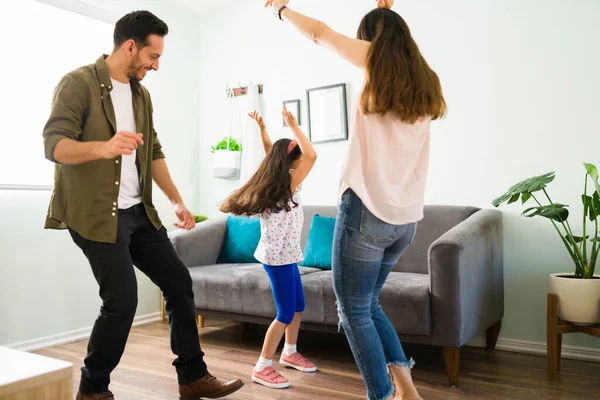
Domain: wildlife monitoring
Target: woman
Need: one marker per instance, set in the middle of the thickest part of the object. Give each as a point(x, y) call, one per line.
point(382, 183)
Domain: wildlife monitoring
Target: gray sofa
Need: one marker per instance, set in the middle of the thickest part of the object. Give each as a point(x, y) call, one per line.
point(446, 289)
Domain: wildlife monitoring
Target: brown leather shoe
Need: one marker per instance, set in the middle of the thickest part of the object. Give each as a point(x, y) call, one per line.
point(95, 396)
point(208, 387)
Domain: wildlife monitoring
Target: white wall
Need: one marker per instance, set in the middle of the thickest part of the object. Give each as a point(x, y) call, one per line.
point(521, 83)
point(46, 285)
point(519, 78)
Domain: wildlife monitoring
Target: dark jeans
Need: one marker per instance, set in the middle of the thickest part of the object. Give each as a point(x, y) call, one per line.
point(150, 250)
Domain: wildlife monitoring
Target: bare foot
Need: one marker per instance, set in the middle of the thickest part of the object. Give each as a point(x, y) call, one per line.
point(402, 380)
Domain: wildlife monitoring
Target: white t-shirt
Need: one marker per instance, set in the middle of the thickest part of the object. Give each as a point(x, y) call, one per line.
point(130, 193)
point(280, 235)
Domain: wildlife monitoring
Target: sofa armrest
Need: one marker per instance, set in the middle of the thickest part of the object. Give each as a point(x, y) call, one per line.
point(467, 282)
point(202, 244)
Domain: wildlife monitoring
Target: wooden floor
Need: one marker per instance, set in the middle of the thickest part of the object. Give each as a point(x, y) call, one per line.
point(145, 372)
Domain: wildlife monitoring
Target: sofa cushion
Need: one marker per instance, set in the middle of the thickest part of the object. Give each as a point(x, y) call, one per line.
point(246, 289)
point(437, 221)
point(317, 252)
point(405, 298)
point(236, 288)
point(243, 235)
point(309, 212)
point(320, 299)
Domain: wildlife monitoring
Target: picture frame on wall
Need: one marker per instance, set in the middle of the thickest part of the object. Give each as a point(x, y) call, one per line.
point(293, 106)
point(327, 113)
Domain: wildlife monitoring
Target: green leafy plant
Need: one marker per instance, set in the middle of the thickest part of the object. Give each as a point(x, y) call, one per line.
point(222, 145)
point(558, 214)
point(200, 218)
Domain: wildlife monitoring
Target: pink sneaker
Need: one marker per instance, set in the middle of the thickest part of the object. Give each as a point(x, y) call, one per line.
point(298, 362)
point(270, 378)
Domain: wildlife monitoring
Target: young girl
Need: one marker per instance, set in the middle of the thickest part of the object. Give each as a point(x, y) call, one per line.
point(273, 192)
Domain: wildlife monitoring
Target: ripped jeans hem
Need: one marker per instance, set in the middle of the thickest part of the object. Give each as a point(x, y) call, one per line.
point(409, 364)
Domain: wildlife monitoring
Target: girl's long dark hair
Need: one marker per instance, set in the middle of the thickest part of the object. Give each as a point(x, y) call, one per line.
point(269, 189)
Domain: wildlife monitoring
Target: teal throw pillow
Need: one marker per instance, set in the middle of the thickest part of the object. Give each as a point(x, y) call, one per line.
point(317, 252)
point(243, 235)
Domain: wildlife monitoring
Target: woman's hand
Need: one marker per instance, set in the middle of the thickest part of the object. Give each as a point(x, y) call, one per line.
point(384, 3)
point(261, 124)
point(289, 118)
point(276, 4)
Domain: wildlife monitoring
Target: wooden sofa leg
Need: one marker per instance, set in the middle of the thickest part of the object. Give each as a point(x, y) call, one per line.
point(163, 312)
point(452, 361)
point(200, 321)
point(492, 334)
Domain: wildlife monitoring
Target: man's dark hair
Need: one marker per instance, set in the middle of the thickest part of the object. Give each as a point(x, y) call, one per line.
point(138, 25)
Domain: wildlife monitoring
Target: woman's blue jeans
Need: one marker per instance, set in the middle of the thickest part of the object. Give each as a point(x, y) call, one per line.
point(365, 249)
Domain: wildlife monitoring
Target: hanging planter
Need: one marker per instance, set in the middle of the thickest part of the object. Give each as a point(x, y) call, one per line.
point(227, 154)
point(226, 158)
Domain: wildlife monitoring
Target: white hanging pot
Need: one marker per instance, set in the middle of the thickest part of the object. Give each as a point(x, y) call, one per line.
point(226, 164)
point(578, 299)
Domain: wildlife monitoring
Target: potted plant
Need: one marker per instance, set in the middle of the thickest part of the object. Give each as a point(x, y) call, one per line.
point(200, 218)
point(578, 292)
point(227, 156)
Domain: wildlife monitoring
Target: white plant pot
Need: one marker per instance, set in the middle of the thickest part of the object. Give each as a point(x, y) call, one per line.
point(578, 299)
point(226, 164)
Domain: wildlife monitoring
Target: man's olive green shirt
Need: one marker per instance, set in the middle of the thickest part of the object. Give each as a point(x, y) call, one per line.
point(85, 196)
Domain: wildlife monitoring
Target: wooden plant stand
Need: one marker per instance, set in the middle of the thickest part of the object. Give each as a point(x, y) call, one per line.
point(556, 328)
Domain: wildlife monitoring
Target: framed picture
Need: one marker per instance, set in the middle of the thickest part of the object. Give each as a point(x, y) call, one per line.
point(327, 113)
point(293, 106)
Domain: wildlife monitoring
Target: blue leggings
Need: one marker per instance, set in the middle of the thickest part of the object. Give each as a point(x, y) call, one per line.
point(287, 291)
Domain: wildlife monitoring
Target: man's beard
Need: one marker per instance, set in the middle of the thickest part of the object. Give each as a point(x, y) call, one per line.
point(134, 68)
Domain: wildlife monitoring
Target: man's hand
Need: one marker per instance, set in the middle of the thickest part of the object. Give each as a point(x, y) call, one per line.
point(261, 124)
point(289, 118)
point(162, 178)
point(122, 143)
point(185, 216)
point(384, 3)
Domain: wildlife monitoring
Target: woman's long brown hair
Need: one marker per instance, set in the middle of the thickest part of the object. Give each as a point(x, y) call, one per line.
point(398, 77)
point(269, 189)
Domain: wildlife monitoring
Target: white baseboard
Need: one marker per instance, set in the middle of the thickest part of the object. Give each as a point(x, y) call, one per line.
point(514, 345)
point(73, 336)
point(539, 349)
